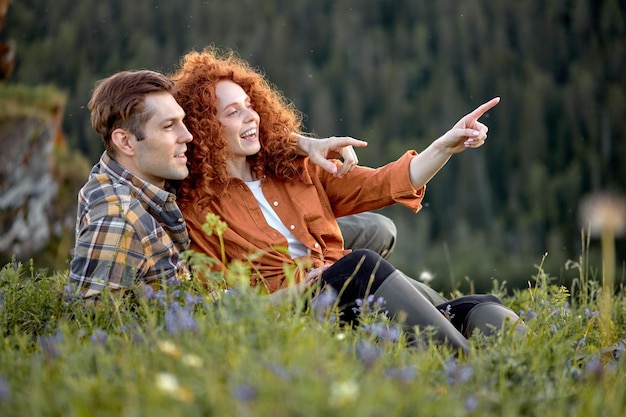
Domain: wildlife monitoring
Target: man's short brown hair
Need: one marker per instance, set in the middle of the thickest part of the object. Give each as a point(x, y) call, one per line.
point(119, 102)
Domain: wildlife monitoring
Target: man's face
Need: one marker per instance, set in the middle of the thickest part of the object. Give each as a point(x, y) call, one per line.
point(161, 155)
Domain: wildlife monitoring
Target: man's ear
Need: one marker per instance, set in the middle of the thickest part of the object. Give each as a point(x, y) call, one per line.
point(122, 140)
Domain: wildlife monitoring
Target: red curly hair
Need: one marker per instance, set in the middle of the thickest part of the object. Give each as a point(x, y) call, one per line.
point(195, 81)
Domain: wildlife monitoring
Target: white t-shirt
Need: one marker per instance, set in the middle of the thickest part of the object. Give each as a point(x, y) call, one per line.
point(296, 248)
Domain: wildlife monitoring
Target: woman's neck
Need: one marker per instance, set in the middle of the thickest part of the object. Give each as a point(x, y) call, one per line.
point(241, 169)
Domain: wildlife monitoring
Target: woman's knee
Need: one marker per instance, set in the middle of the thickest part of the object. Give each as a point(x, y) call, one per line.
point(366, 261)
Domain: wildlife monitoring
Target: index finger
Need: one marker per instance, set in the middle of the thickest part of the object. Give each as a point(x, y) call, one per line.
point(484, 108)
point(347, 141)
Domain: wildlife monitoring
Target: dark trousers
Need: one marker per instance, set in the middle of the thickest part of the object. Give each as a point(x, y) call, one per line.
point(361, 272)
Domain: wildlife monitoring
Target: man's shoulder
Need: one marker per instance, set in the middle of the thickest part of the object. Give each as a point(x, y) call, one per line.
point(102, 196)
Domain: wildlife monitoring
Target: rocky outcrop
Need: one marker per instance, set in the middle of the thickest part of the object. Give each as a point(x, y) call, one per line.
point(39, 177)
point(27, 187)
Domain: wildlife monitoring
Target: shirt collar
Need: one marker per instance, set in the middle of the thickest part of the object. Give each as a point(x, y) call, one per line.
point(155, 196)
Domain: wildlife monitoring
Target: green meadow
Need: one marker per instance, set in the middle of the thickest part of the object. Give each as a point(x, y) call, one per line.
point(178, 351)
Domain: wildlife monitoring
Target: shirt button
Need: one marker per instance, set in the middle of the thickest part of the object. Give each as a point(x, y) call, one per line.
point(317, 245)
point(292, 227)
point(181, 220)
point(275, 203)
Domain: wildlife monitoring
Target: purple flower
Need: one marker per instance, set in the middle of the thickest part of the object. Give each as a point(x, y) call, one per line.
point(369, 303)
point(172, 282)
point(384, 331)
point(403, 374)
point(580, 343)
point(471, 403)
point(456, 374)
point(324, 303)
point(368, 353)
point(244, 392)
point(594, 367)
point(5, 390)
point(151, 294)
point(49, 345)
point(70, 293)
point(192, 299)
point(178, 319)
point(528, 314)
point(447, 312)
point(591, 314)
point(98, 337)
point(279, 371)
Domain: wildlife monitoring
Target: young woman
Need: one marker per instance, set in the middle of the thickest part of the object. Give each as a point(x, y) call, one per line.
point(282, 209)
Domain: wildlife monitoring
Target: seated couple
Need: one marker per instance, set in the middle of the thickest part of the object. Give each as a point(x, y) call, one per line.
point(231, 145)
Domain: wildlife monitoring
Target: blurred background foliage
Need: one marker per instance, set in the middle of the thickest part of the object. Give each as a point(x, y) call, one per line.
point(397, 74)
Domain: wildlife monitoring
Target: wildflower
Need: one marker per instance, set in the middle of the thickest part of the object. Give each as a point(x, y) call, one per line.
point(214, 224)
point(594, 367)
point(601, 212)
point(169, 348)
point(70, 293)
point(384, 331)
point(192, 299)
point(343, 393)
point(456, 374)
point(403, 374)
point(279, 371)
point(324, 303)
point(447, 312)
point(426, 277)
point(49, 345)
point(178, 319)
point(167, 383)
point(528, 314)
point(5, 390)
point(244, 392)
point(172, 282)
point(471, 403)
point(605, 215)
point(193, 361)
point(98, 337)
point(580, 343)
point(591, 314)
point(368, 303)
point(553, 328)
point(151, 294)
point(368, 353)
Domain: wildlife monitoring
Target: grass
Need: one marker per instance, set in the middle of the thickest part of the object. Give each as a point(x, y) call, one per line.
point(176, 352)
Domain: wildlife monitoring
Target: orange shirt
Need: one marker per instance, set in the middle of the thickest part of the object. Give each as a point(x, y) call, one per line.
point(308, 207)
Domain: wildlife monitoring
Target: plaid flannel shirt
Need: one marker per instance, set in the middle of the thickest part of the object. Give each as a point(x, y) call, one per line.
point(128, 231)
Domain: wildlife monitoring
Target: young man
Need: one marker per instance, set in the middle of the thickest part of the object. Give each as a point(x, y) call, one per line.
point(129, 229)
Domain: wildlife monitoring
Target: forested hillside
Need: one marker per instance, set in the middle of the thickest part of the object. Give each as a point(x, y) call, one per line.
point(397, 74)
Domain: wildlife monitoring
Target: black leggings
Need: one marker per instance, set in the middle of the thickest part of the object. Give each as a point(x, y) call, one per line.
point(457, 310)
point(356, 276)
point(361, 272)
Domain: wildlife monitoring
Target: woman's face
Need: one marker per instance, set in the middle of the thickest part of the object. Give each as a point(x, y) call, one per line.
point(240, 123)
